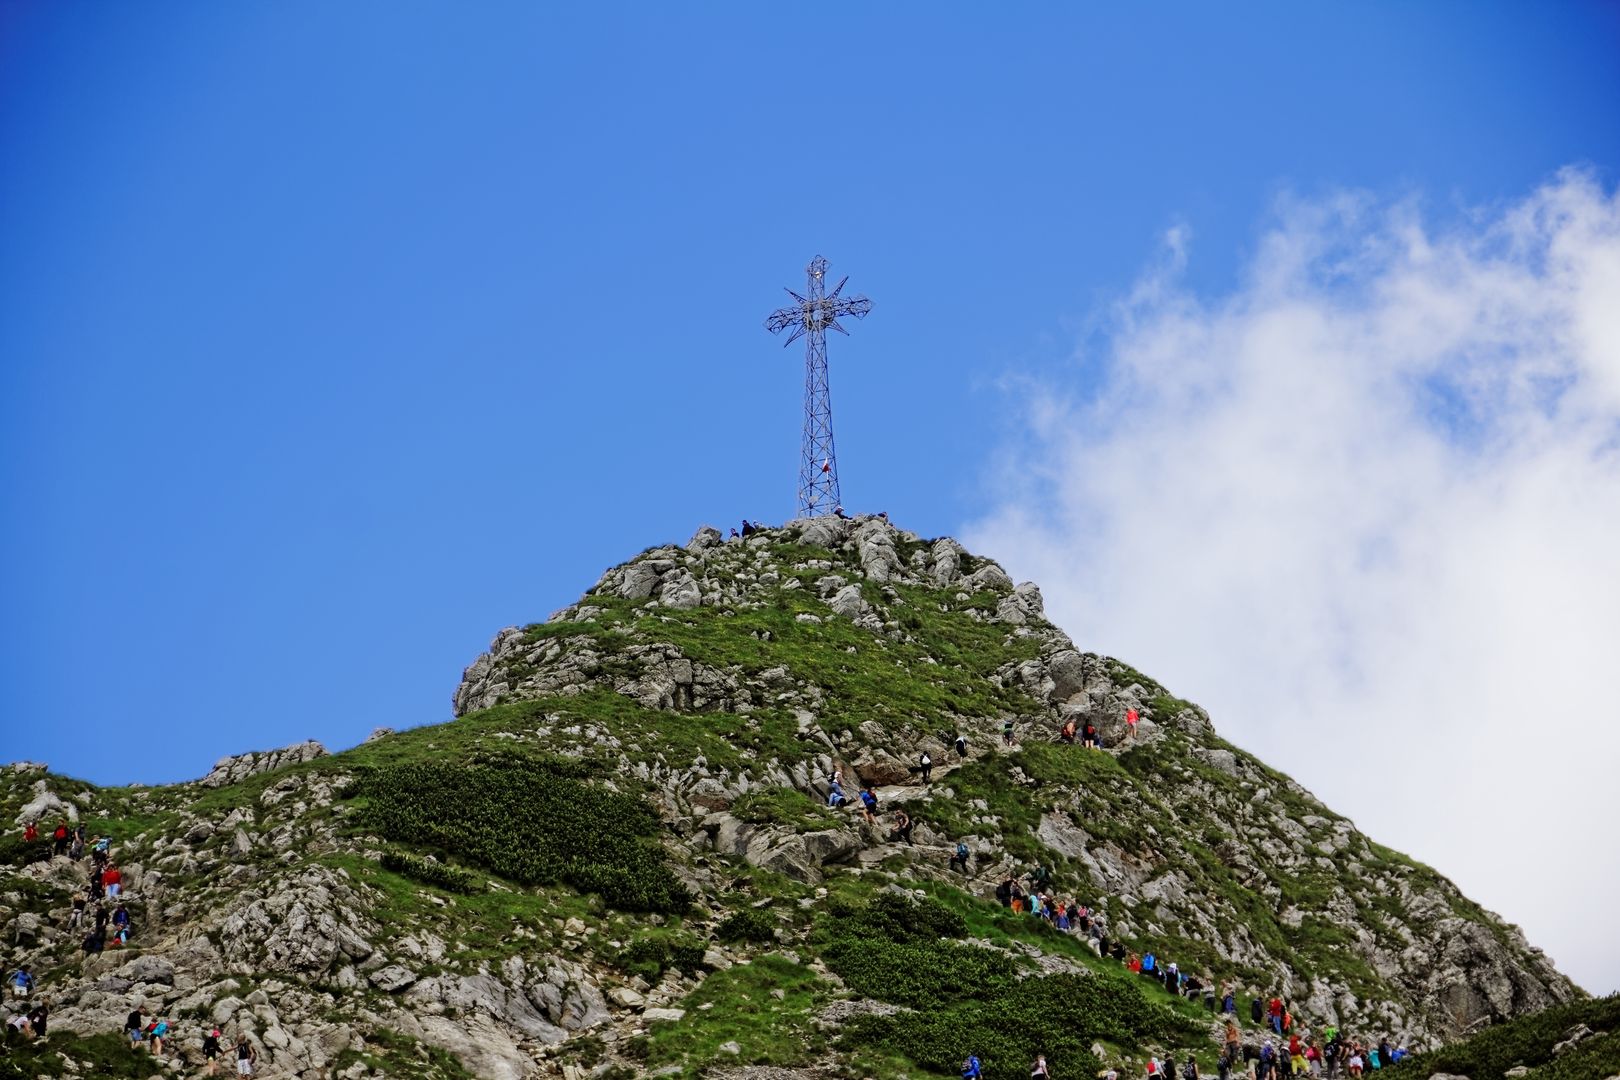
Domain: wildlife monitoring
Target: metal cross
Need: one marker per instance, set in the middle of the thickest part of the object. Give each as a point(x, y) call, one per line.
point(817, 312)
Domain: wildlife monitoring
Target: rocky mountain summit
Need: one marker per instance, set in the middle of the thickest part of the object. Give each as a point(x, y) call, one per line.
point(619, 858)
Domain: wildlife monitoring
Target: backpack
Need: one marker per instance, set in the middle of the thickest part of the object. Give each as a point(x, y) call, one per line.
point(1267, 1053)
point(961, 852)
point(1190, 1070)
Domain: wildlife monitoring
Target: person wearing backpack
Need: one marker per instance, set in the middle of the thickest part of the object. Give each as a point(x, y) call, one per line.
point(1189, 1071)
point(1256, 1009)
point(869, 804)
point(245, 1056)
point(971, 1069)
point(1039, 1071)
point(960, 858)
point(925, 765)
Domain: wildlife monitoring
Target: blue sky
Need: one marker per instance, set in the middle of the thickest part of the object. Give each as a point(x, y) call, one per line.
point(334, 338)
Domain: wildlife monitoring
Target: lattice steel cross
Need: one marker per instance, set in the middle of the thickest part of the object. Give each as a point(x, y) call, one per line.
point(815, 314)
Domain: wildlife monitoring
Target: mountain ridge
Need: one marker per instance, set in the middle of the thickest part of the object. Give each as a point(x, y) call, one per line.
point(720, 683)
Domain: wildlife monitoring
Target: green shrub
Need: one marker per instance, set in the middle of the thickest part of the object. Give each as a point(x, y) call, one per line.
point(749, 924)
point(652, 952)
point(531, 821)
point(1056, 1015)
point(1528, 1041)
point(15, 851)
point(449, 878)
point(783, 806)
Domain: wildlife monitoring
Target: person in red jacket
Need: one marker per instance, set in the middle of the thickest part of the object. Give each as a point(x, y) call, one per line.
point(31, 831)
point(112, 880)
point(1276, 1011)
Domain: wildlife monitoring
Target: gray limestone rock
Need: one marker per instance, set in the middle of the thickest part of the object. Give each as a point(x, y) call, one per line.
point(232, 770)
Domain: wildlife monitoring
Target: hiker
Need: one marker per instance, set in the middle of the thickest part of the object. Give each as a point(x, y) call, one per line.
point(971, 1069)
point(1229, 1003)
point(1089, 737)
point(1007, 732)
point(120, 917)
point(155, 1033)
point(59, 838)
point(835, 795)
point(1039, 1069)
point(1296, 1054)
point(1148, 961)
point(925, 765)
point(1040, 877)
point(1385, 1056)
point(112, 879)
point(135, 1025)
point(1066, 732)
point(18, 1025)
point(1276, 1009)
point(40, 1019)
point(1130, 724)
point(869, 804)
point(902, 827)
point(1268, 1060)
point(1189, 1071)
point(245, 1056)
point(733, 535)
point(30, 832)
point(961, 746)
point(747, 528)
point(22, 983)
point(960, 857)
point(94, 942)
point(210, 1049)
point(1004, 892)
point(1256, 1010)
point(76, 848)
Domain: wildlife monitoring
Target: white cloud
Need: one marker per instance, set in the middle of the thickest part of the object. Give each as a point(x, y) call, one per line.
point(1366, 509)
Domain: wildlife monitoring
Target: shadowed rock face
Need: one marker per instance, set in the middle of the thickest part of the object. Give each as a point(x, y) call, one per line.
point(728, 682)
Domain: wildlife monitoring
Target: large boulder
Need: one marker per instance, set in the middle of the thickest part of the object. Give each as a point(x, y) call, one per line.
point(233, 770)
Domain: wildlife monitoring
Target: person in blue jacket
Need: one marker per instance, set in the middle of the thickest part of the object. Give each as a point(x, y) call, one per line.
point(971, 1069)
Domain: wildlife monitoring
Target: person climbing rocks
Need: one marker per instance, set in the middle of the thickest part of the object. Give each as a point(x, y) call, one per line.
point(971, 1070)
point(869, 804)
point(961, 746)
point(1189, 1071)
point(959, 859)
point(18, 1026)
point(1004, 892)
point(1228, 1002)
point(1040, 877)
point(1089, 736)
point(902, 827)
point(135, 1025)
point(1131, 718)
point(245, 1056)
point(1039, 1069)
point(120, 917)
point(156, 1032)
point(22, 983)
point(1066, 732)
point(748, 528)
point(210, 1049)
point(59, 838)
point(1257, 1010)
point(39, 1018)
point(30, 832)
point(925, 765)
point(1276, 1012)
point(112, 879)
point(1007, 732)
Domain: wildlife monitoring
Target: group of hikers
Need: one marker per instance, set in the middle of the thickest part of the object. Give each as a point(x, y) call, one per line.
point(99, 910)
point(155, 1032)
point(98, 907)
point(1288, 1051)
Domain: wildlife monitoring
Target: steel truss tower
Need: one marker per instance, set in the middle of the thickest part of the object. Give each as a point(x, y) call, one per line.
point(813, 315)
